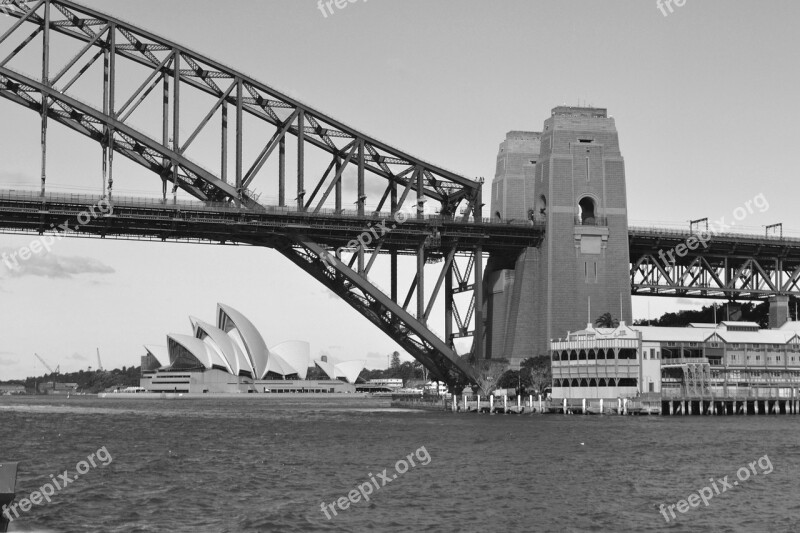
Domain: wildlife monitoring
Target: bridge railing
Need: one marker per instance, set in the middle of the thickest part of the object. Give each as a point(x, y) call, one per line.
point(199, 205)
point(685, 233)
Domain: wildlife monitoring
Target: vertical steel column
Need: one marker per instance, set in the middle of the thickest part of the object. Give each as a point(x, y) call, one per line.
point(239, 137)
point(106, 128)
point(420, 193)
point(46, 83)
point(176, 122)
point(421, 282)
point(393, 253)
point(479, 341)
point(111, 104)
point(282, 171)
point(338, 188)
point(301, 148)
point(165, 134)
point(478, 212)
point(361, 196)
point(448, 306)
point(224, 156)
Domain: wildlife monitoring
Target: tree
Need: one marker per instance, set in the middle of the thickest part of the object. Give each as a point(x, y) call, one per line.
point(748, 311)
point(395, 364)
point(541, 375)
point(420, 370)
point(606, 320)
point(488, 372)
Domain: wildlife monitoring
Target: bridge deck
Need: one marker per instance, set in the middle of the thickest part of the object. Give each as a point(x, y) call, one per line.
point(151, 218)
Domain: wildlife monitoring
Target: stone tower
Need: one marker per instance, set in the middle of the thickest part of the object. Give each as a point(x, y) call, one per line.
point(581, 270)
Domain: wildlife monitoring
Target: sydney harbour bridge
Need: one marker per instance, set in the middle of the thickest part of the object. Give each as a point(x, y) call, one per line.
point(339, 191)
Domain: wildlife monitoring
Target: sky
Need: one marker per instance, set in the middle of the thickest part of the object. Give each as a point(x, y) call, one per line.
point(704, 100)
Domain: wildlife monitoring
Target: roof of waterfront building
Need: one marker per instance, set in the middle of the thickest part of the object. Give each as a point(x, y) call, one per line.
point(726, 331)
point(730, 332)
point(792, 325)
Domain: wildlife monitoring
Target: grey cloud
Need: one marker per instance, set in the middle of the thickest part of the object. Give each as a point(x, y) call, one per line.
point(50, 265)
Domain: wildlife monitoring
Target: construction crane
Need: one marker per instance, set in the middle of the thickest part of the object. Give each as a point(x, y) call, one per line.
point(56, 371)
point(99, 362)
point(53, 372)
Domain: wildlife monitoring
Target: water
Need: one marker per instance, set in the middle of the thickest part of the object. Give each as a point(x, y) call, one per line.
point(242, 465)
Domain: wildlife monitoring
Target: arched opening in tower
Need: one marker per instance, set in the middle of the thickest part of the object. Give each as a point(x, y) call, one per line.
point(587, 210)
point(541, 207)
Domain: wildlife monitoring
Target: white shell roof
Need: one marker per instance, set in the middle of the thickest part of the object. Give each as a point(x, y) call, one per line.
point(235, 358)
point(326, 367)
point(161, 353)
point(228, 319)
point(237, 346)
point(349, 370)
point(297, 354)
point(197, 348)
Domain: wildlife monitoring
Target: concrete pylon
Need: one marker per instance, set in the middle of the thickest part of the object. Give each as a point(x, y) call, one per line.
point(571, 176)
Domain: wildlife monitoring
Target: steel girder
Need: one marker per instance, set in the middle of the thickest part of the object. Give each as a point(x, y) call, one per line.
point(732, 278)
point(728, 266)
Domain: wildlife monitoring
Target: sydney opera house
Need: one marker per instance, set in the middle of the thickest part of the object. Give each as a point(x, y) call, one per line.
point(232, 357)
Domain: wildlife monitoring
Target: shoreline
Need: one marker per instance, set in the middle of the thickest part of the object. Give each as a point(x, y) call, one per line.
point(261, 396)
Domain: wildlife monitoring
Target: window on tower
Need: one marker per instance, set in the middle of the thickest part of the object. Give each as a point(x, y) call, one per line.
point(587, 211)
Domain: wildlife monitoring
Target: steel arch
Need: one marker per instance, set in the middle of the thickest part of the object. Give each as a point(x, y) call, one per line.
point(175, 66)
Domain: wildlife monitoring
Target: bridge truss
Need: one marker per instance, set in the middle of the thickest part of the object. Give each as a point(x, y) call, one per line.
point(731, 266)
point(333, 166)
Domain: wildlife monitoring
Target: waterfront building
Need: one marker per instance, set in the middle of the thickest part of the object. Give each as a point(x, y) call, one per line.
point(58, 388)
point(599, 363)
point(11, 390)
point(729, 359)
point(392, 383)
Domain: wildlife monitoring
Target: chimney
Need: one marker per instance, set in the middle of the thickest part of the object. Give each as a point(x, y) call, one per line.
point(778, 311)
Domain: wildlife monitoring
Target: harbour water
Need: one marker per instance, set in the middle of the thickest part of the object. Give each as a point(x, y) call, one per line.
point(238, 465)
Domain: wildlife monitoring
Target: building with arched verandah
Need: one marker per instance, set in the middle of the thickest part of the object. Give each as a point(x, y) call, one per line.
point(725, 360)
point(599, 363)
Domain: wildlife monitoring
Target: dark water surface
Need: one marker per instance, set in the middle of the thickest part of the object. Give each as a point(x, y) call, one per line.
point(239, 464)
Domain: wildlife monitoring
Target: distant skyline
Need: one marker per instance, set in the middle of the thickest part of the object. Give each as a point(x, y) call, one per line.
point(704, 102)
